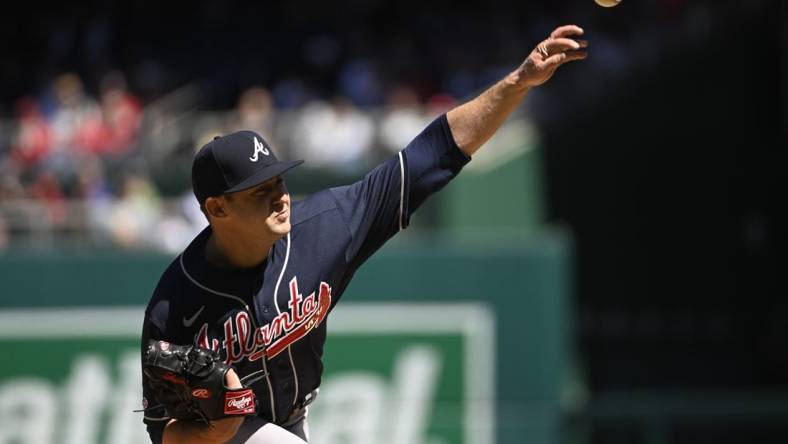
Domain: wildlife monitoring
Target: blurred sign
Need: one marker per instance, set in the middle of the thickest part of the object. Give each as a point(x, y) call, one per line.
point(396, 373)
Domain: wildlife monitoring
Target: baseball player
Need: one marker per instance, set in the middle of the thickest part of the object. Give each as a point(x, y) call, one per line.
point(255, 287)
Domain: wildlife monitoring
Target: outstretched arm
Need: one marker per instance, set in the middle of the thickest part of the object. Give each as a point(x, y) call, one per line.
point(474, 122)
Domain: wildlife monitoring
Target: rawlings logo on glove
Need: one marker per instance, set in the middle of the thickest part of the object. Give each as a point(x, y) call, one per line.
point(240, 403)
point(190, 383)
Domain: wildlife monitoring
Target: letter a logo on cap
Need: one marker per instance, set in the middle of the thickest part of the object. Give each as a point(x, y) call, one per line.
point(258, 148)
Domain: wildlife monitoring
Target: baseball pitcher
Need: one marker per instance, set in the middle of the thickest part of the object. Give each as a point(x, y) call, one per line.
point(233, 336)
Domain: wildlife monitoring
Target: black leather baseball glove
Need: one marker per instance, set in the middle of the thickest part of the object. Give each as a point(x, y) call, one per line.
point(190, 382)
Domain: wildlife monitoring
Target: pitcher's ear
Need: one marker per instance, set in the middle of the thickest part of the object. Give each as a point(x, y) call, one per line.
point(215, 207)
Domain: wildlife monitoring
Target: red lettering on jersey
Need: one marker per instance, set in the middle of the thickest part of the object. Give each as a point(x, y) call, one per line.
point(324, 301)
point(229, 343)
point(202, 339)
point(295, 301)
point(244, 326)
point(309, 303)
point(241, 341)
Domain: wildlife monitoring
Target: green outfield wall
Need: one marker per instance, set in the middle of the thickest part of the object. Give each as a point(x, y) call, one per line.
point(434, 342)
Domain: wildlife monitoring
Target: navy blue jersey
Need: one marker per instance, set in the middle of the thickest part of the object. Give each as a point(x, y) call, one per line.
point(268, 322)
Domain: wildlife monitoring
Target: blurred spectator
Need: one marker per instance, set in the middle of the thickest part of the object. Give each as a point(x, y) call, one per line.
point(254, 112)
point(91, 184)
point(74, 111)
point(116, 128)
point(3, 233)
point(132, 219)
point(358, 81)
point(334, 135)
point(438, 104)
point(178, 226)
point(47, 190)
point(94, 192)
point(10, 191)
point(33, 138)
point(73, 115)
point(10, 186)
point(121, 111)
point(403, 118)
point(290, 92)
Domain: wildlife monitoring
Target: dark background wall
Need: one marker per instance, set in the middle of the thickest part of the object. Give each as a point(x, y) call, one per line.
point(674, 187)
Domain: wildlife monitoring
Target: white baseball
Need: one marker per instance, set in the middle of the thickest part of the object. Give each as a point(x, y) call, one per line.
point(607, 3)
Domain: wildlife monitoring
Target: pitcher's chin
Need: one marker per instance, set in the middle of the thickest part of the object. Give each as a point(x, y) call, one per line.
point(280, 229)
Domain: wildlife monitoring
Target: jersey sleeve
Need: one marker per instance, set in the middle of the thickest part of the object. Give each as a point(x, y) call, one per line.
point(380, 204)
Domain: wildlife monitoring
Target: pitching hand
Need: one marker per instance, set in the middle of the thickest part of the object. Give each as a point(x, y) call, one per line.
point(561, 47)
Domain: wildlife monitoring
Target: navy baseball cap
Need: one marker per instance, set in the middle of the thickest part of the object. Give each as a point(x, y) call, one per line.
point(233, 163)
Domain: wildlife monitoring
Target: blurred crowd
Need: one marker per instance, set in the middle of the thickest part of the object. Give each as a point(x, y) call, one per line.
point(105, 153)
point(111, 170)
point(57, 149)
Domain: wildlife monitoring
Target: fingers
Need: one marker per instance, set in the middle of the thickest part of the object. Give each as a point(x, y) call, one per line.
point(232, 380)
point(556, 45)
point(559, 59)
point(566, 30)
point(555, 51)
point(575, 55)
